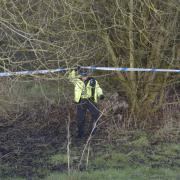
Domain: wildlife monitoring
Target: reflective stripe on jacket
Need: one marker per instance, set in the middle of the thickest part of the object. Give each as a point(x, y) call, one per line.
point(80, 85)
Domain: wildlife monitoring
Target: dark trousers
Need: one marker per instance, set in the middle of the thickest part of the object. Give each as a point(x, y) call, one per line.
point(82, 108)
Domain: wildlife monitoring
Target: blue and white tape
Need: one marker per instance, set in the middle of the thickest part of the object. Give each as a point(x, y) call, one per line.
point(130, 69)
point(7, 74)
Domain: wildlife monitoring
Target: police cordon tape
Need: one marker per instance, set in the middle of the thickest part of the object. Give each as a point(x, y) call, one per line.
point(7, 74)
point(130, 69)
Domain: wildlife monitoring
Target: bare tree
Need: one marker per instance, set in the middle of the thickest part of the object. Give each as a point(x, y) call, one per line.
point(48, 34)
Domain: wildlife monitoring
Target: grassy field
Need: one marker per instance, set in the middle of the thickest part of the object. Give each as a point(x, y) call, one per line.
point(136, 173)
point(143, 173)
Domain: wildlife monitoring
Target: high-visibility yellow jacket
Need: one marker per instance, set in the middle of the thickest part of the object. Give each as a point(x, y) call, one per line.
point(80, 88)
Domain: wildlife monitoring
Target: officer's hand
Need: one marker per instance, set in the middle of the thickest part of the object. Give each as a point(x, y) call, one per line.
point(101, 97)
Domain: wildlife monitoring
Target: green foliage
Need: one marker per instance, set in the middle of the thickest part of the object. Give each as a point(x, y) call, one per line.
point(165, 155)
point(158, 158)
point(141, 173)
point(110, 160)
point(13, 178)
point(138, 157)
point(141, 142)
point(125, 174)
point(138, 152)
point(172, 149)
point(59, 159)
point(168, 149)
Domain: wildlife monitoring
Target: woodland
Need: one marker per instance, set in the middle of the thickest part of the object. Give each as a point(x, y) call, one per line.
point(138, 133)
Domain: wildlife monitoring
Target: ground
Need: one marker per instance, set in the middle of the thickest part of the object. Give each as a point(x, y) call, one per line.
point(34, 146)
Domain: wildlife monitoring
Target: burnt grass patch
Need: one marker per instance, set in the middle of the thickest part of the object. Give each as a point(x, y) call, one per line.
point(27, 142)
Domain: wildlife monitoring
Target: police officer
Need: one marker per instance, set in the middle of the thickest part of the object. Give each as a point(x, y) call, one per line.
point(86, 94)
